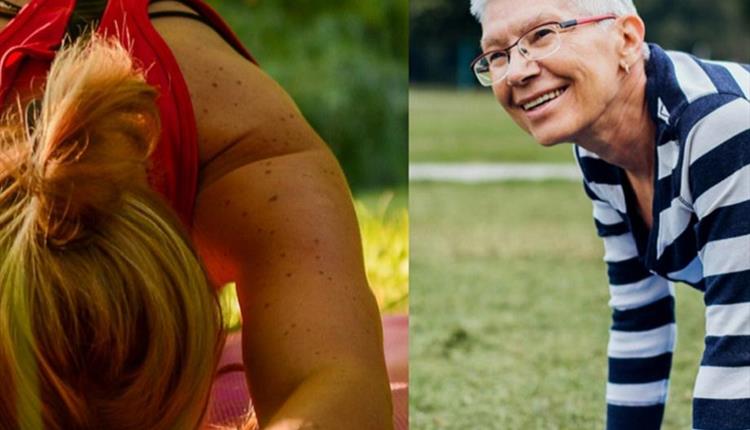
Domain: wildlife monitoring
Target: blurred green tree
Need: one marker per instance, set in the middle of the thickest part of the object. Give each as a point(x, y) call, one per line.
point(706, 28)
point(345, 64)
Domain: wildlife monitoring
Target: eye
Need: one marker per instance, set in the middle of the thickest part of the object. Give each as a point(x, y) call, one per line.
point(495, 57)
point(541, 34)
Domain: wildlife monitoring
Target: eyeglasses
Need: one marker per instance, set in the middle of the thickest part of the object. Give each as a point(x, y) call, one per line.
point(539, 42)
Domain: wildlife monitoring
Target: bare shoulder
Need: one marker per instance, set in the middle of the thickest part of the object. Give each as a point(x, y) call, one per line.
point(242, 114)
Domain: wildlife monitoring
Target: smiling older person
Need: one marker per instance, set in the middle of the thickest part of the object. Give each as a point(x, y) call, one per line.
point(663, 141)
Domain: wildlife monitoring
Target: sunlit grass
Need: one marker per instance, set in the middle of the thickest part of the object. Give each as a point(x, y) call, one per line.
point(385, 238)
point(230, 307)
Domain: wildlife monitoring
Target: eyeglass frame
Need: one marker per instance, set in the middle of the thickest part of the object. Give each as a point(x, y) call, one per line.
point(563, 25)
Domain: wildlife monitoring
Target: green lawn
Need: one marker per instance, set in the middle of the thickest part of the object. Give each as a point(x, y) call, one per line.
point(509, 315)
point(450, 126)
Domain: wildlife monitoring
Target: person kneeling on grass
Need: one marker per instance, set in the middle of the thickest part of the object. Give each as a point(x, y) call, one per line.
point(663, 141)
point(107, 319)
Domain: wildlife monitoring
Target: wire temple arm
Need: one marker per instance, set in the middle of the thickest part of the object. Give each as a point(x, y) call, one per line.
point(573, 22)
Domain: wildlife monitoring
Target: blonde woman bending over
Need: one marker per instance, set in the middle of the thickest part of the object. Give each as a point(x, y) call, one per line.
point(107, 320)
point(256, 189)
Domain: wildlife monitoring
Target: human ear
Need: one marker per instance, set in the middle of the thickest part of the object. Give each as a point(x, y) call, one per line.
point(631, 31)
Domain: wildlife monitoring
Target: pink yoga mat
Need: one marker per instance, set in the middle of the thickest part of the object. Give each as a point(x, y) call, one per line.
point(231, 406)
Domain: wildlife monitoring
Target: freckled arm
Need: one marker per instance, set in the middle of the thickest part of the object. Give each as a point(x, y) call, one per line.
point(274, 214)
point(282, 226)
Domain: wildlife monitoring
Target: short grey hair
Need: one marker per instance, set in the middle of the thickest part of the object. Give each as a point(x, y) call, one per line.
point(591, 7)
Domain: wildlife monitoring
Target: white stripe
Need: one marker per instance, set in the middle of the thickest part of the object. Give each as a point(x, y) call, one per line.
point(728, 320)
point(740, 75)
point(650, 393)
point(637, 294)
point(619, 248)
point(726, 255)
point(693, 80)
point(722, 383)
point(641, 344)
point(668, 154)
point(717, 127)
point(586, 153)
point(672, 222)
point(611, 194)
point(605, 214)
point(693, 272)
point(662, 111)
point(734, 189)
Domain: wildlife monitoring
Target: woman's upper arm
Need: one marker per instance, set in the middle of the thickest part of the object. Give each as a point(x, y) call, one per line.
point(275, 215)
point(284, 229)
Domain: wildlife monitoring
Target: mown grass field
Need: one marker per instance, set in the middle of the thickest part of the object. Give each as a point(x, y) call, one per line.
point(446, 125)
point(509, 315)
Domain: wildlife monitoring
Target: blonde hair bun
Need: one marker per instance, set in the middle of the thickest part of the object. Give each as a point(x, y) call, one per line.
point(84, 141)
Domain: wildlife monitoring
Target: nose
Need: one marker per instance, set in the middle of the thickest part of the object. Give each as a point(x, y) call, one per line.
point(520, 69)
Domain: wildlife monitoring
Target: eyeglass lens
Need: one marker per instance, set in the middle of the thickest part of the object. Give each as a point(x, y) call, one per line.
point(534, 45)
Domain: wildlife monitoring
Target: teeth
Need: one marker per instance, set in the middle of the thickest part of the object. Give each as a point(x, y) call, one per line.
point(546, 97)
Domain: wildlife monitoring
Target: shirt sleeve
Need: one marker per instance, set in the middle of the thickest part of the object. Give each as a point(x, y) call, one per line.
point(643, 331)
point(718, 165)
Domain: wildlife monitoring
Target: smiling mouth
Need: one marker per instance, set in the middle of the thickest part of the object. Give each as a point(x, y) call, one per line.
point(543, 99)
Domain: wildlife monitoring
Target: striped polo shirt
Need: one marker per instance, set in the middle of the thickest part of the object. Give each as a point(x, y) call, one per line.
point(700, 236)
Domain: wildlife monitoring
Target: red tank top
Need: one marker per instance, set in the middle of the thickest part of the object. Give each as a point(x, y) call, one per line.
point(28, 44)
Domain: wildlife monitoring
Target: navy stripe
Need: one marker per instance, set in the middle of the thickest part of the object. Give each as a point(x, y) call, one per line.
point(679, 253)
point(604, 230)
point(700, 285)
point(639, 370)
point(667, 134)
point(599, 171)
point(627, 271)
point(666, 86)
point(629, 418)
point(728, 288)
point(699, 109)
point(664, 187)
point(727, 351)
point(719, 163)
point(721, 78)
point(710, 414)
point(723, 223)
point(647, 317)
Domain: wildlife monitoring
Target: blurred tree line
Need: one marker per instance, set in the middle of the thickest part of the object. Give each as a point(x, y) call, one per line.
point(444, 37)
point(345, 64)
